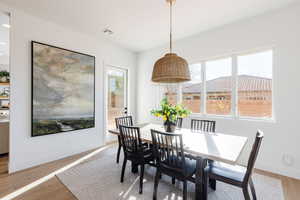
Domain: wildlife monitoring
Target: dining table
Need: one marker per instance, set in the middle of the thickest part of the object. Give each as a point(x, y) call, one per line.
point(202, 146)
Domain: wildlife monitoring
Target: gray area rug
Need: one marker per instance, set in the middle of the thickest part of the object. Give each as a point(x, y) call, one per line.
point(99, 178)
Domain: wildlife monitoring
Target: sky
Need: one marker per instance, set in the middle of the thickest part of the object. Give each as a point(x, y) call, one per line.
point(258, 64)
point(218, 68)
point(63, 84)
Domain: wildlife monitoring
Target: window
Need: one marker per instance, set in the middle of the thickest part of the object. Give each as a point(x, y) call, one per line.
point(240, 86)
point(255, 85)
point(191, 91)
point(218, 86)
point(171, 93)
point(116, 89)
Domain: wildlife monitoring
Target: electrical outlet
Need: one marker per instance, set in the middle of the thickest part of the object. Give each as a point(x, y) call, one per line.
point(288, 160)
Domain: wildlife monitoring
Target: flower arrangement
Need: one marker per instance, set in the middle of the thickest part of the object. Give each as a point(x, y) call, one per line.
point(170, 113)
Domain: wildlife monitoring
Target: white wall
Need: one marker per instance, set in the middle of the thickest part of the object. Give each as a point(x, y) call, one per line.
point(27, 151)
point(280, 30)
point(4, 62)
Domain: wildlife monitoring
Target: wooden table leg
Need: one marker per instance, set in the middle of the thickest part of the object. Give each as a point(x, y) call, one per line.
point(201, 189)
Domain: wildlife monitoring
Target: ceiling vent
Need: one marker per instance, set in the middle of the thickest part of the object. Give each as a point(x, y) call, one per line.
point(108, 31)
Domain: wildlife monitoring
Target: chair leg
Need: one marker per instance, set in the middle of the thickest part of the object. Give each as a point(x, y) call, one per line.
point(246, 193)
point(252, 189)
point(156, 181)
point(141, 178)
point(173, 180)
point(213, 184)
point(123, 169)
point(205, 185)
point(184, 190)
point(119, 149)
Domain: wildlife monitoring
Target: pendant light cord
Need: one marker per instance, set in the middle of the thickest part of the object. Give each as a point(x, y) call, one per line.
point(171, 22)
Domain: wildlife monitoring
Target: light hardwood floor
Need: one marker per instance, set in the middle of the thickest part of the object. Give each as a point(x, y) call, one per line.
point(53, 189)
point(3, 164)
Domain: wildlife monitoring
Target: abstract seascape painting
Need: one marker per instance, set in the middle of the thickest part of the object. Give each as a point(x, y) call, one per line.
point(63, 90)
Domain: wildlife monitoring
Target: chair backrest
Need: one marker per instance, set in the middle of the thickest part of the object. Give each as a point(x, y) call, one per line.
point(131, 139)
point(179, 122)
point(168, 151)
point(253, 155)
point(203, 125)
point(127, 121)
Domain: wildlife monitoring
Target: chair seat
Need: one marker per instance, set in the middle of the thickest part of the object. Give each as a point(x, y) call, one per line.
point(190, 165)
point(145, 152)
point(148, 154)
point(236, 175)
point(231, 173)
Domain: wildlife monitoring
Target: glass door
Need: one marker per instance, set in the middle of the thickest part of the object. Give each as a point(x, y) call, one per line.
point(116, 95)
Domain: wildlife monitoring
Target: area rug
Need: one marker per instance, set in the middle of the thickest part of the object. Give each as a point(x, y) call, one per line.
point(99, 178)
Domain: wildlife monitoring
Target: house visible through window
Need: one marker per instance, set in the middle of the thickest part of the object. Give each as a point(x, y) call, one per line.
point(242, 88)
point(255, 85)
point(171, 92)
point(191, 91)
point(218, 86)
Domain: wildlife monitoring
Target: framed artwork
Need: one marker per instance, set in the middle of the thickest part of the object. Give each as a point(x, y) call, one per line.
point(63, 90)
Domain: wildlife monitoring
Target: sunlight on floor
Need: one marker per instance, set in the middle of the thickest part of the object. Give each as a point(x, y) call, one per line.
point(130, 188)
point(51, 175)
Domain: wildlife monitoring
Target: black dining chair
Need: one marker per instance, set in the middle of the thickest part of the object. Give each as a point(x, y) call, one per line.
point(179, 122)
point(207, 126)
point(203, 125)
point(170, 160)
point(135, 151)
point(237, 175)
point(127, 121)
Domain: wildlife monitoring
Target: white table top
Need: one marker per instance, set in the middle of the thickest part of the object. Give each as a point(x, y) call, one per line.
point(214, 146)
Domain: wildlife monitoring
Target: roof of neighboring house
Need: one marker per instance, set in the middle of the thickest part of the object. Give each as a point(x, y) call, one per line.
point(223, 84)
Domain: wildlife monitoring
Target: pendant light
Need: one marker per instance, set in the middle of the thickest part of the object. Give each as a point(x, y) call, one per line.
point(171, 68)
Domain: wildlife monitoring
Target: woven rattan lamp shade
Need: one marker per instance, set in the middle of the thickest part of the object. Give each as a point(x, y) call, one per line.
point(171, 69)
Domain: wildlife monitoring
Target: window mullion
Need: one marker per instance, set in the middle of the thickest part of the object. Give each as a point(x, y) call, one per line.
point(234, 102)
point(203, 89)
point(179, 96)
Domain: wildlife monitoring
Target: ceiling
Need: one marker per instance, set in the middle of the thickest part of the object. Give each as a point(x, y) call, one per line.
point(142, 24)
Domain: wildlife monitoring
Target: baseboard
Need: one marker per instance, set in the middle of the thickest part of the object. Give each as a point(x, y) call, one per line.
point(48, 176)
point(288, 172)
point(13, 169)
point(111, 142)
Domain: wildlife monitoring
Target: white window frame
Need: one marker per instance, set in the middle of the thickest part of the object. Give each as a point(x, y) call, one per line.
point(234, 92)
